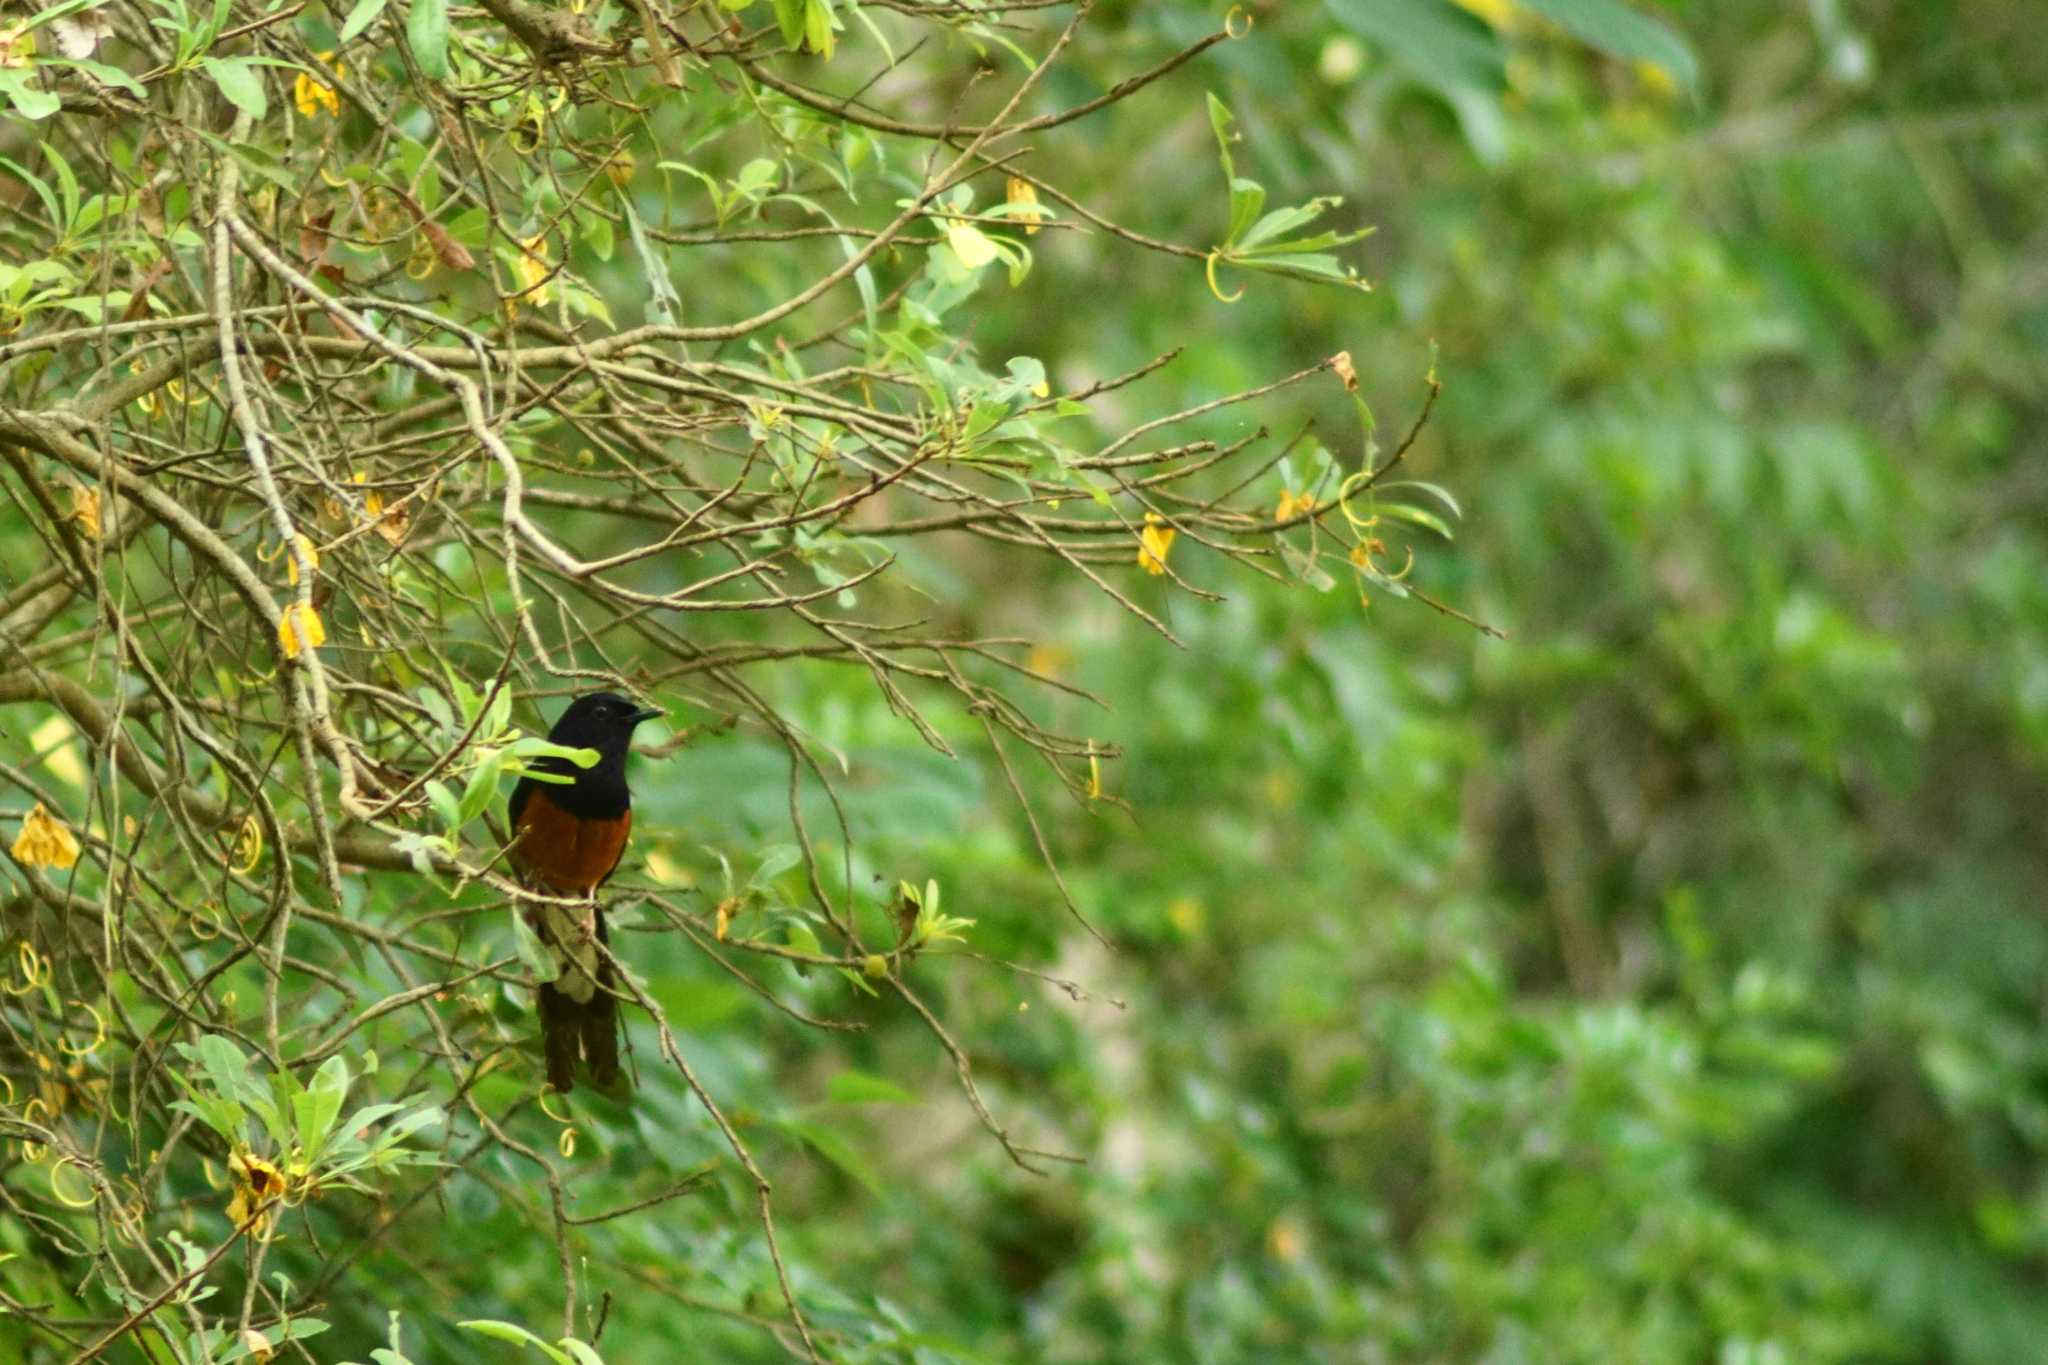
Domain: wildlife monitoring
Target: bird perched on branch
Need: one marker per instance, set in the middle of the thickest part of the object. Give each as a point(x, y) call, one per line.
point(567, 839)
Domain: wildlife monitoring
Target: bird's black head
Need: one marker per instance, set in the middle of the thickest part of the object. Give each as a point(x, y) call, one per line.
point(602, 721)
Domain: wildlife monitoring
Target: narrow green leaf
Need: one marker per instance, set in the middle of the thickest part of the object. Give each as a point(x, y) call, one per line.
point(426, 33)
point(1401, 511)
point(519, 1336)
point(361, 17)
point(239, 82)
point(1443, 44)
point(445, 805)
point(859, 1087)
point(29, 100)
point(1622, 31)
point(532, 951)
point(1247, 197)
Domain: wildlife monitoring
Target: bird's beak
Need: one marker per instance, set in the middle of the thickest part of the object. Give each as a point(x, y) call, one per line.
point(646, 713)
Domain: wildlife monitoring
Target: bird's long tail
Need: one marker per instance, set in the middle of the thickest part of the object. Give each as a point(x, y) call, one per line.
point(577, 1017)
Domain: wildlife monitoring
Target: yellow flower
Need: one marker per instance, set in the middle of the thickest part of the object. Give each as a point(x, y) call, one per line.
point(532, 270)
point(1153, 543)
point(1293, 504)
point(1021, 193)
point(44, 841)
point(970, 244)
point(85, 509)
point(258, 1187)
point(311, 96)
point(299, 628)
point(1049, 660)
point(291, 561)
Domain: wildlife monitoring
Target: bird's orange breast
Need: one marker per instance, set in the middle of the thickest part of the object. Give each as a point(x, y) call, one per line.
point(568, 854)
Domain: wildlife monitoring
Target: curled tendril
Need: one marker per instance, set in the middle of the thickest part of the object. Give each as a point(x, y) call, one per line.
point(209, 915)
point(1353, 481)
point(565, 1117)
point(422, 261)
point(92, 1196)
point(526, 135)
point(9, 1101)
point(566, 1143)
point(35, 970)
point(1214, 288)
point(31, 1151)
point(176, 389)
point(99, 1034)
point(248, 849)
point(1237, 21)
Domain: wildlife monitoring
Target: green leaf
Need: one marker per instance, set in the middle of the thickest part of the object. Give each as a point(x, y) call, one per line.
point(111, 75)
point(297, 1329)
point(483, 785)
point(532, 951)
point(1622, 31)
point(1444, 45)
point(29, 100)
point(818, 26)
point(34, 182)
point(598, 235)
point(361, 17)
point(775, 860)
point(500, 713)
point(663, 304)
point(426, 33)
point(829, 1143)
point(859, 1087)
point(1247, 197)
point(1401, 511)
point(789, 17)
point(1437, 491)
point(445, 805)
point(533, 746)
point(67, 183)
point(238, 81)
point(518, 1336)
point(1225, 124)
point(1309, 267)
point(319, 1104)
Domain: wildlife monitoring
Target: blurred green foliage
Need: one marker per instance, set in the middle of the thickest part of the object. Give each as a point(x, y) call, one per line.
point(1665, 983)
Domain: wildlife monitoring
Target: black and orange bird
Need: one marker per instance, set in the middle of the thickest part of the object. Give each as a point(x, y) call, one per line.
point(567, 838)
